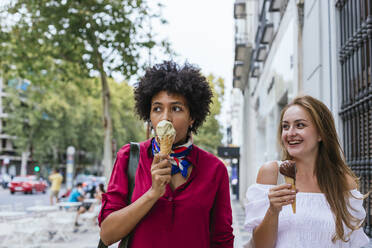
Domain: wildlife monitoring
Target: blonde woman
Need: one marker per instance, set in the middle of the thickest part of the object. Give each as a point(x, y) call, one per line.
point(329, 206)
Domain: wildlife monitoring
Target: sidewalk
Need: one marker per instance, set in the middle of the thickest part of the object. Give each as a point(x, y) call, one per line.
point(241, 235)
point(83, 238)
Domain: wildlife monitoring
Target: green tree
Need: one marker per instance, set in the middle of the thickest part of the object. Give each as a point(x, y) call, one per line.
point(47, 120)
point(96, 38)
point(209, 136)
point(126, 124)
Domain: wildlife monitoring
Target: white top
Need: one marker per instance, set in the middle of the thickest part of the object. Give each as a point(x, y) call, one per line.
point(313, 224)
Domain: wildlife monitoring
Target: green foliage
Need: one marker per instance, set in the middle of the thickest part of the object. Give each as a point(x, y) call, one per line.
point(59, 46)
point(47, 120)
point(126, 124)
point(95, 36)
point(209, 135)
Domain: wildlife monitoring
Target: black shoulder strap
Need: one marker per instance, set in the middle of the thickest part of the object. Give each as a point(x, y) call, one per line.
point(134, 157)
point(132, 167)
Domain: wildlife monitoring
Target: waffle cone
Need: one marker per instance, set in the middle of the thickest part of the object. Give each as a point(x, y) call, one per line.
point(166, 144)
point(292, 182)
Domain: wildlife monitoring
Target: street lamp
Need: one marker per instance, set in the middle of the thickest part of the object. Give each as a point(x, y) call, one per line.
point(70, 166)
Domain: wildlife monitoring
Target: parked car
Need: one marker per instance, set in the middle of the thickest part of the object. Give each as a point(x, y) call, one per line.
point(27, 185)
point(38, 185)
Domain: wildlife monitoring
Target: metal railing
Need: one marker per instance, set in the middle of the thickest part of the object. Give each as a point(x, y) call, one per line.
point(355, 56)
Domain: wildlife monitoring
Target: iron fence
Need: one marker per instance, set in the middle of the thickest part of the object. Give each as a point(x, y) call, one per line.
point(355, 26)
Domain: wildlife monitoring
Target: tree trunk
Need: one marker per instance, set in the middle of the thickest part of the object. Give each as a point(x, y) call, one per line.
point(107, 122)
point(25, 155)
point(55, 156)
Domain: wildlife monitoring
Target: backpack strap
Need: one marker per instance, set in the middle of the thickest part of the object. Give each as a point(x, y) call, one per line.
point(134, 157)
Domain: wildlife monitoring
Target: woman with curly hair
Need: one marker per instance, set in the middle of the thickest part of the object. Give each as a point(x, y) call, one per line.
point(172, 205)
point(329, 208)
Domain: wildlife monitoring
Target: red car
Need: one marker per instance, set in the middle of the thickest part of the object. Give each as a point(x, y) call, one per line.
point(27, 185)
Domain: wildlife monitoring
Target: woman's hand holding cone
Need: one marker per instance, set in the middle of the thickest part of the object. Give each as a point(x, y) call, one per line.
point(160, 173)
point(280, 196)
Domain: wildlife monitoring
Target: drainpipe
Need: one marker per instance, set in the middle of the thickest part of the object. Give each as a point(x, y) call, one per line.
point(300, 18)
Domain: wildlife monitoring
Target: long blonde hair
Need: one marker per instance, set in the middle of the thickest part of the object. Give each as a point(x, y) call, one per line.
point(330, 169)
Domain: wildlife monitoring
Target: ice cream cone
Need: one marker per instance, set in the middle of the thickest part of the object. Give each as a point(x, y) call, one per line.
point(166, 144)
point(165, 136)
point(292, 182)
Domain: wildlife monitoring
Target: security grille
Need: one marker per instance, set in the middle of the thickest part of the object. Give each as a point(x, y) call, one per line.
point(355, 25)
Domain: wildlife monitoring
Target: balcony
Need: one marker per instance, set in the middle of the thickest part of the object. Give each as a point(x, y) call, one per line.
point(267, 33)
point(240, 75)
point(241, 38)
point(276, 5)
point(255, 71)
point(261, 53)
point(239, 9)
point(243, 52)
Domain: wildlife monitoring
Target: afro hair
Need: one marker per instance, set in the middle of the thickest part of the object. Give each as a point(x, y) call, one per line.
point(183, 80)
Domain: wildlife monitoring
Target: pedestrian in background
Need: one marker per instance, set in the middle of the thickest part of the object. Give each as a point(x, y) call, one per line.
point(78, 195)
point(96, 206)
point(56, 179)
point(99, 191)
point(172, 205)
point(329, 207)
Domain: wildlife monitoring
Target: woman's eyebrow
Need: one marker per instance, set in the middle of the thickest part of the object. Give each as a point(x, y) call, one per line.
point(299, 120)
point(177, 103)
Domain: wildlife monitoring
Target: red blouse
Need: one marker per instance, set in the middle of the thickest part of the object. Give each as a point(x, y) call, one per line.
point(196, 214)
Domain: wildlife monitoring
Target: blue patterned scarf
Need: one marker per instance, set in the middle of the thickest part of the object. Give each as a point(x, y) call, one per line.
point(178, 156)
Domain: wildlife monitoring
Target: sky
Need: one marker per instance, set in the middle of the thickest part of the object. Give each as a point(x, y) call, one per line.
point(202, 33)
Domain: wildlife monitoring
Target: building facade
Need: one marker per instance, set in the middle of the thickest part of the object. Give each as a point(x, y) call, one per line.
point(10, 161)
point(314, 47)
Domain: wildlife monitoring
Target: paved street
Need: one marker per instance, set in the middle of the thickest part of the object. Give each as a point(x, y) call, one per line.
point(26, 200)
